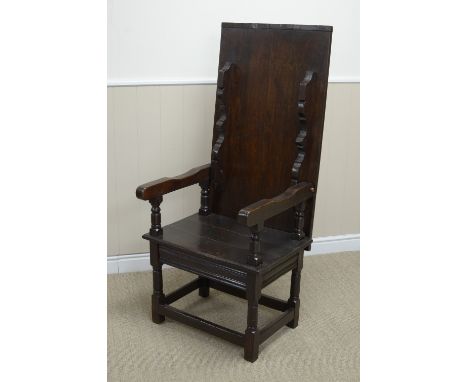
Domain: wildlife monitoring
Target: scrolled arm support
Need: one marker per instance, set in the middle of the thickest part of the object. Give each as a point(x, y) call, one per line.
point(221, 115)
point(302, 101)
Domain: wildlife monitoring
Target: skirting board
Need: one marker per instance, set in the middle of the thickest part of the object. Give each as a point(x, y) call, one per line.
point(139, 262)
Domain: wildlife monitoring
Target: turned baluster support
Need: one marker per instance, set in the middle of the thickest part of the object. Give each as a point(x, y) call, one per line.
point(204, 198)
point(299, 220)
point(255, 258)
point(156, 228)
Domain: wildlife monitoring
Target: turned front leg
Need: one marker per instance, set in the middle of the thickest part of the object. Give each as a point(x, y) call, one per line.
point(294, 300)
point(158, 295)
point(252, 335)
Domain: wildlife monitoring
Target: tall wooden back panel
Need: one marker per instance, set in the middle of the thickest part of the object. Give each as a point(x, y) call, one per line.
point(270, 108)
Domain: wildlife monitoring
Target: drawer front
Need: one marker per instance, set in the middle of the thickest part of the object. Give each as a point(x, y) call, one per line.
point(203, 267)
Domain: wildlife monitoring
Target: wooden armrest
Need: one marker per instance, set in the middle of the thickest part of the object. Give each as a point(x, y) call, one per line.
point(256, 213)
point(158, 188)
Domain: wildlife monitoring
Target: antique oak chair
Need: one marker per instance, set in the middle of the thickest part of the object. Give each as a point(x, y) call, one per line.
point(258, 192)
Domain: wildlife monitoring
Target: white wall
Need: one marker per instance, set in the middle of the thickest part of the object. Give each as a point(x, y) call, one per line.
point(157, 42)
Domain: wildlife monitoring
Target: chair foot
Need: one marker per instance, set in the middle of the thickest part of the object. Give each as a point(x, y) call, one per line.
point(251, 345)
point(204, 288)
point(295, 321)
point(156, 317)
point(250, 357)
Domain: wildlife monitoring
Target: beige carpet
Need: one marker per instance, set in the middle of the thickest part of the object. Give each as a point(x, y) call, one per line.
point(324, 347)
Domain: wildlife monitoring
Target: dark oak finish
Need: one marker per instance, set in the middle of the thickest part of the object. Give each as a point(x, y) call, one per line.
point(158, 298)
point(262, 210)
point(265, 118)
point(204, 198)
point(223, 243)
point(160, 187)
point(258, 192)
point(156, 228)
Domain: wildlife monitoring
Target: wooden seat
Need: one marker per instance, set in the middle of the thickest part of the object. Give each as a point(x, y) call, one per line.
point(225, 241)
point(258, 192)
